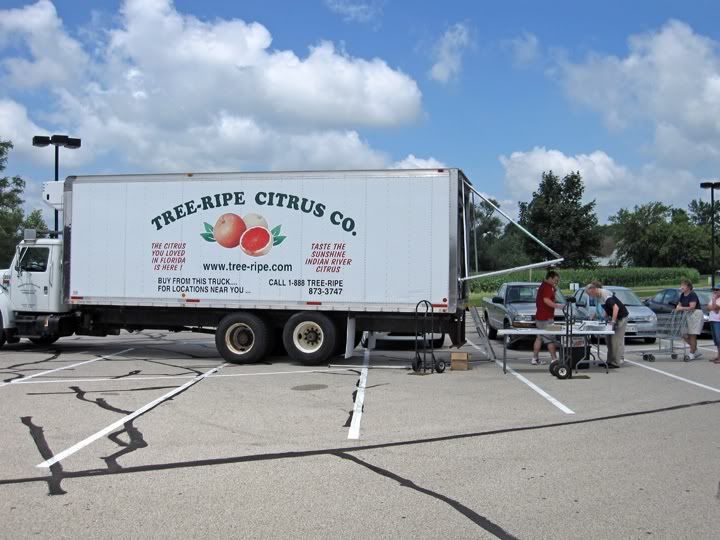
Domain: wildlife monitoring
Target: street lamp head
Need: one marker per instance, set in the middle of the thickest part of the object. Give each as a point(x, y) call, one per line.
point(73, 143)
point(710, 185)
point(59, 140)
point(41, 140)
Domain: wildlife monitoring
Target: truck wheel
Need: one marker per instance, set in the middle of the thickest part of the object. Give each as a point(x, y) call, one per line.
point(242, 338)
point(310, 337)
point(439, 342)
point(45, 340)
point(491, 332)
point(2, 332)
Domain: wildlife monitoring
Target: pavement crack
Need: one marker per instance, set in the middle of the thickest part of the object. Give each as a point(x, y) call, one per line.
point(9, 369)
point(56, 470)
point(136, 440)
point(251, 458)
point(492, 528)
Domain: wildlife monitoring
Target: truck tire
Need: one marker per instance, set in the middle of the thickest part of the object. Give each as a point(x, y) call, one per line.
point(310, 337)
point(492, 333)
point(242, 338)
point(43, 341)
point(2, 332)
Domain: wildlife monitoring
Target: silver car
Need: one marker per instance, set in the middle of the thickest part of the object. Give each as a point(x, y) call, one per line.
point(642, 322)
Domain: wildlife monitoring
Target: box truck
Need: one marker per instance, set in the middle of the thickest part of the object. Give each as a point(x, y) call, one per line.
point(305, 259)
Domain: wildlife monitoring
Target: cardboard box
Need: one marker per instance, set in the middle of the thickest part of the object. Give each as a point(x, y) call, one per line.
point(459, 361)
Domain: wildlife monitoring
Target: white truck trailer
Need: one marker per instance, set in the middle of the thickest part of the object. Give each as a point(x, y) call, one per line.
point(306, 258)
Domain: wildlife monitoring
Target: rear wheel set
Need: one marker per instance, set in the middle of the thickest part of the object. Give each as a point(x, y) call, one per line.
point(308, 337)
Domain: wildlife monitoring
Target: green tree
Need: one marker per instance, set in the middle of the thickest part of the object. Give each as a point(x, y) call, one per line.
point(485, 229)
point(655, 234)
point(685, 244)
point(557, 216)
point(508, 251)
point(640, 233)
point(11, 213)
point(12, 216)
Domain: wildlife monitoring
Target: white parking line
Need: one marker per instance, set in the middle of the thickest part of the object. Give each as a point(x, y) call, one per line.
point(92, 438)
point(163, 377)
point(22, 380)
point(354, 432)
point(683, 379)
point(532, 385)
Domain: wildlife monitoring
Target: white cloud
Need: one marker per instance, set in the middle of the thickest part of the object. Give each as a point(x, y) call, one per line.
point(448, 53)
point(612, 185)
point(214, 95)
point(669, 80)
point(353, 11)
point(525, 49)
point(17, 127)
point(57, 58)
point(413, 162)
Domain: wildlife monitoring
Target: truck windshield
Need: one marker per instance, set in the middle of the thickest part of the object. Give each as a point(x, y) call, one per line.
point(34, 259)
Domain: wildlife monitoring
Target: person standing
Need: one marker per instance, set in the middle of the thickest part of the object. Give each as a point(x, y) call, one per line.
point(689, 304)
point(545, 307)
point(617, 314)
point(714, 318)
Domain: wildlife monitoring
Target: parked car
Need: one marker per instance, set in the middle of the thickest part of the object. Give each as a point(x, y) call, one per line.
point(665, 301)
point(514, 306)
point(642, 322)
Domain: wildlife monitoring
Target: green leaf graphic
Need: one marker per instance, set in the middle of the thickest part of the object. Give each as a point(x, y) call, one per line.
point(209, 228)
point(208, 236)
point(277, 240)
point(276, 231)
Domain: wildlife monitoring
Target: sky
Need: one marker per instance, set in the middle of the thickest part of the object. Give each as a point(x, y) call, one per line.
point(628, 93)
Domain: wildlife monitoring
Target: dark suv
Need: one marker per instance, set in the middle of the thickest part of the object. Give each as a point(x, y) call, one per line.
point(664, 302)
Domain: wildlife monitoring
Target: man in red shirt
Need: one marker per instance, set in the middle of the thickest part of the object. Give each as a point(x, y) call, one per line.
point(545, 315)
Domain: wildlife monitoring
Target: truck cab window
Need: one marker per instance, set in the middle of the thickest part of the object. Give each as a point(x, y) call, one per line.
point(34, 259)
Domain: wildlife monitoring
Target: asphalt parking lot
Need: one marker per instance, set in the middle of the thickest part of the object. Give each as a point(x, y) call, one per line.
point(153, 434)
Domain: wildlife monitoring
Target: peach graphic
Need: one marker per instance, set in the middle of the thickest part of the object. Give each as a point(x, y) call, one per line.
point(228, 230)
point(256, 241)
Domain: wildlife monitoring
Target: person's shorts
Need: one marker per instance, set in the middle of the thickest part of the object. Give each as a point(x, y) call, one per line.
point(542, 325)
point(694, 322)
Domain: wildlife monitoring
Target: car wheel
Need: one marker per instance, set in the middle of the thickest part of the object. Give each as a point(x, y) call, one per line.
point(491, 332)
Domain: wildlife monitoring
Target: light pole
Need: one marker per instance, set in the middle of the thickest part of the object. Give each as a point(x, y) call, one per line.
point(712, 186)
point(57, 141)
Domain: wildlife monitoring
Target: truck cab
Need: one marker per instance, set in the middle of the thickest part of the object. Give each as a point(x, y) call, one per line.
point(32, 289)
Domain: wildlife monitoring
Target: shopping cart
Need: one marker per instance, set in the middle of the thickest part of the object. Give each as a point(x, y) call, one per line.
point(669, 337)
